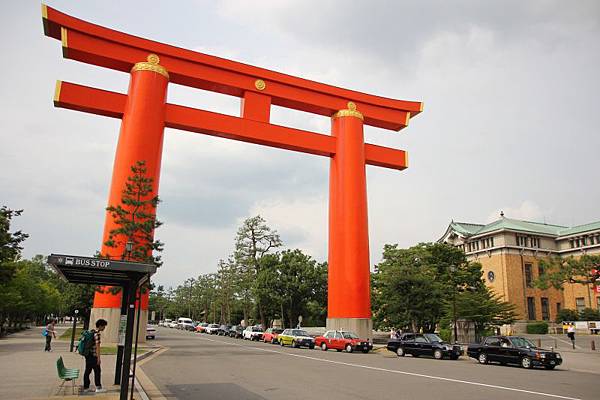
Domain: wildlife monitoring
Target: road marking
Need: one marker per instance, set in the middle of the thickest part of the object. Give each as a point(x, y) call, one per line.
point(394, 371)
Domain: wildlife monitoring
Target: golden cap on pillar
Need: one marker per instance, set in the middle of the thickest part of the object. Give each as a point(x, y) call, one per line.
point(351, 111)
point(152, 64)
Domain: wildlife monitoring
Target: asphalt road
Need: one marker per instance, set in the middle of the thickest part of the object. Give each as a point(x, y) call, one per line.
point(200, 366)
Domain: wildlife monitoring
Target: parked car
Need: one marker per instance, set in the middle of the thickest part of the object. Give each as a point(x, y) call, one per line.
point(253, 333)
point(223, 330)
point(166, 323)
point(212, 329)
point(150, 332)
point(296, 338)
point(343, 340)
point(513, 350)
point(423, 344)
point(271, 334)
point(172, 324)
point(200, 328)
point(236, 331)
point(185, 324)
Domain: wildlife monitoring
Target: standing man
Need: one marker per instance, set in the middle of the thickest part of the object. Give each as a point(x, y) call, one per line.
point(50, 332)
point(571, 333)
point(93, 360)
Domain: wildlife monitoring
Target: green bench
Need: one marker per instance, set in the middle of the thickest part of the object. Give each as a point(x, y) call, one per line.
point(66, 374)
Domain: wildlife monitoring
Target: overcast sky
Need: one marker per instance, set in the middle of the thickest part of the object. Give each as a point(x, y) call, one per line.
point(511, 121)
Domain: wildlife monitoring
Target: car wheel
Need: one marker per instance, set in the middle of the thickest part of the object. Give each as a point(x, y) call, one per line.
point(454, 357)
point(338, 350)
point(437, 354)
point(526, 362)
point(550, 366)
point(273, 341)
point(365, 351)
point(400, 352)
point(482, 358)
point(311, 346)
point(349, 348)
point(294, 344)
point(324, 346)
point(281, 343)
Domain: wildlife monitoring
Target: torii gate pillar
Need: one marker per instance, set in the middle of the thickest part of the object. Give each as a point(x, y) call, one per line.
point(348, 303)
point(140, 138)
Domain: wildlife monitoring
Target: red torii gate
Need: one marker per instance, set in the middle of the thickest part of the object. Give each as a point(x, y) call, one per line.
point(145, 114)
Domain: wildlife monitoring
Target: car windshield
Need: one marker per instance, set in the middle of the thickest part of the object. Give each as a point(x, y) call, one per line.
point(521, 342)
point(432, 337)
point(298, 332)
point(256, 329)
point(350, 335)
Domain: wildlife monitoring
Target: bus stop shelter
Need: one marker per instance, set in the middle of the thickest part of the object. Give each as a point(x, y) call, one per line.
point(130, 276)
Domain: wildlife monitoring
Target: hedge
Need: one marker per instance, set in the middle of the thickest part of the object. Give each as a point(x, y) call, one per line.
point(537, 327)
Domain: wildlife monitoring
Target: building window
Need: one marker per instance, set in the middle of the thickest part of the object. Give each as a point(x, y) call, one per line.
point(558, 308)
point(535, 242)
point(572, 243)
point(492, 241)
point(541, 270)
point(545, 309)
point(531, 308)
point(521, 241)
point(580, 304)
point(528, 275)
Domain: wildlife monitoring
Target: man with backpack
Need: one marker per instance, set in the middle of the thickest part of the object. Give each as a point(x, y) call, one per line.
point(50, 333)
point(89, 347)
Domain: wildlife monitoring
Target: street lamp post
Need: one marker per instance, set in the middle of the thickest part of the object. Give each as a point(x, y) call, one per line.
point(454, 289)
point(74, 327)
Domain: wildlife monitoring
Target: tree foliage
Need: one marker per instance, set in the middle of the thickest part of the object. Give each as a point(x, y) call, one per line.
point(254, 284)
point(429, 285)
point(560, 271)
point(136, 219)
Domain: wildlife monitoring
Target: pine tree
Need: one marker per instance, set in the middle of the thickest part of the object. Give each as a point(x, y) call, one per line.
point(136, 218)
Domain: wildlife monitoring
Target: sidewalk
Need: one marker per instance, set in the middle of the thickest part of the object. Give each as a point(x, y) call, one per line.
point(28, 372)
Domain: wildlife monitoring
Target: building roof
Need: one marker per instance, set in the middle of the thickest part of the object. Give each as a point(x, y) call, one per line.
point(469, 229)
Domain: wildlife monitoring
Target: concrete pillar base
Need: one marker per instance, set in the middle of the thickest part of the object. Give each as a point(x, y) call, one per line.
point(363, 327)
point(113, 316)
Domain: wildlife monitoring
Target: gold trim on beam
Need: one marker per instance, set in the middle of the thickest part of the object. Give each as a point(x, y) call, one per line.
point(406, 159)
point(57, 92)
point(407, 119)
point(351, 111)
point(63, 37)
point(44, 11)
point(151, 65)
point(421, 108)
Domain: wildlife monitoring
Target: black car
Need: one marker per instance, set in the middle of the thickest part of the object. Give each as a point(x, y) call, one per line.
point(423, 344)
point(236, 331)
point(513, 350)
point(224, 330)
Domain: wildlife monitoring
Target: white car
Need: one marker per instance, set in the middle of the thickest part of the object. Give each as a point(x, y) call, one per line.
point(185, 323)
point(150, 332)
point(212, 329)
point(172, 324)
point(166, 323)
point(253, 333)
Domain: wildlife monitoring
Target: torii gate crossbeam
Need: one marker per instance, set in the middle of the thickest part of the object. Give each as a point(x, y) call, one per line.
point(145, 114)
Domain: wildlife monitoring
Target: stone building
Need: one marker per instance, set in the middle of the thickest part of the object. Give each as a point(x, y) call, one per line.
point(509, 251)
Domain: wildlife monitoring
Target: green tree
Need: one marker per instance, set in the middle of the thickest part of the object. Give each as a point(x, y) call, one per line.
point(567, 315)
point(254, 239)
point(560, 271)
point(589, 314)
point(411, 287)
point(481, 307)
point(136, 218)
